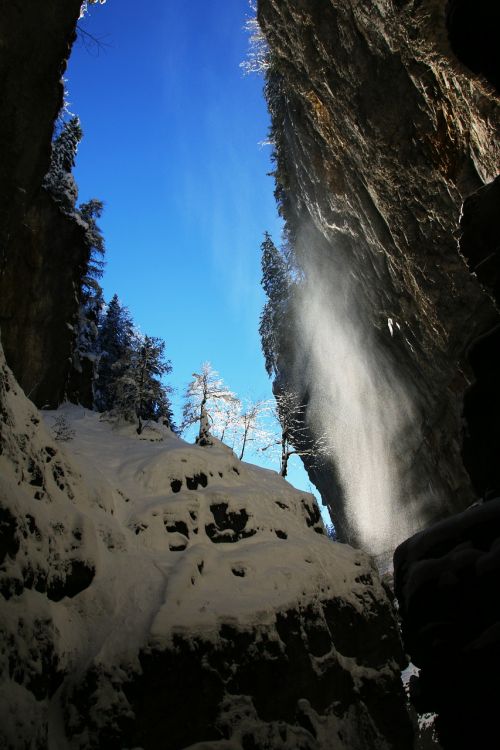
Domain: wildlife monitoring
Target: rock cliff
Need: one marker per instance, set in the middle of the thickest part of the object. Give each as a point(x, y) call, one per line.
point(386, 123)
point(41, 250)
point(382, 135)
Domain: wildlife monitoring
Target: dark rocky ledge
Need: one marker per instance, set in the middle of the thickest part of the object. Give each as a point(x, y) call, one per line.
point(447, 580)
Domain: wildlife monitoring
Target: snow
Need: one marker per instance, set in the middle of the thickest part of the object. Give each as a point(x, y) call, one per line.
point(130, 478)
point(164, 562)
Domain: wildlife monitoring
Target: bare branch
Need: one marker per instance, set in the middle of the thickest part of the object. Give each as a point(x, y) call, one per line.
point(93, 44)
point(258, 56)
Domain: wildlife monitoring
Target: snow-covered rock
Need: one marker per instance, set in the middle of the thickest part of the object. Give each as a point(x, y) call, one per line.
point(157, 594)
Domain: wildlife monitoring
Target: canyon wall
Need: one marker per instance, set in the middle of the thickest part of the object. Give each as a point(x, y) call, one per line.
point(381, 133)
point(42, 251)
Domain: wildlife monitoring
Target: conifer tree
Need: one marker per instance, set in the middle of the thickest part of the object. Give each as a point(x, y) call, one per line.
point(131, 368)
point(115, 347)
point(91, 295)
point(147, 396)
point(59, 181)
point(276, 284)
point(89, 213)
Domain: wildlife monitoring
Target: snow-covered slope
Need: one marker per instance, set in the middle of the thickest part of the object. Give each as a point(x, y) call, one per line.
point(157, 594)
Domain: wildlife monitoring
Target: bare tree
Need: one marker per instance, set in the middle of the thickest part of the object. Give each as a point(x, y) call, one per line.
point(203, 399)
point(250, 425)
point(92, 44)
point(258, 56)
point(292, 436)
point(225, 421)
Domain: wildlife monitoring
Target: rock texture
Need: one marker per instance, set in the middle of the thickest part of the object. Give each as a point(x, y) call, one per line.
point(386, 123)
point(40, 250)
point(161, 595)
point(39, 302)
point(35, 40)
point(446, 579)
point(381, 134)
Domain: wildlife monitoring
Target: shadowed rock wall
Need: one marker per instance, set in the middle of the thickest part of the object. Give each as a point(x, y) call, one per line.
point(41, 253)
point(445, 580)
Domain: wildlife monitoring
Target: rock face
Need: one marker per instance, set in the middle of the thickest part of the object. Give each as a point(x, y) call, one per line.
point(41, 251)
point(161, 595)
point(38, 302)
point(386, 124)
point(381, 133)
point(446, 579)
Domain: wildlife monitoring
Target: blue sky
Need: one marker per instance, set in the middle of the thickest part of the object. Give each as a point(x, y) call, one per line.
point(172, 132)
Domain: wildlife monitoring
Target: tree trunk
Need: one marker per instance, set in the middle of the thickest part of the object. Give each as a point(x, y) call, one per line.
point(204, 437)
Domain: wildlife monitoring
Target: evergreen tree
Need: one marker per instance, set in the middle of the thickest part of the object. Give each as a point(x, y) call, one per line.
point(276, 284)
point(115, 347)
point(148, 396)
point(91, 295)
point(131, 368)
point(59, 181)
point(89, 212)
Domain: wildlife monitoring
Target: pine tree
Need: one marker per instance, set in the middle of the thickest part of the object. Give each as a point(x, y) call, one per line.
point(276, 284)
point(147, 368)
point(115, 347)
point(131, 368)
point(91, 295)
point(89, 212)
point(59, 181)
point(138, 392)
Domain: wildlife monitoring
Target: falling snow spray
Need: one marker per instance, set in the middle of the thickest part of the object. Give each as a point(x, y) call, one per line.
point(356, 402)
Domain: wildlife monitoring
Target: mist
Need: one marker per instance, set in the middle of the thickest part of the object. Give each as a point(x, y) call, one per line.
point(357, 404)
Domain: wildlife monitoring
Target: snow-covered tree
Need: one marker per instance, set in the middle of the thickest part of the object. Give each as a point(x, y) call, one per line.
point(91, 295)
point(86, 3)
point(291, 435)
point(115, 347)
point(59, 181)
point(258, 59)
point(140, 392)
point(276, 284)
point(226, 421)
point(61, 429)
point(203, 398)
point(89, 213)
point(131, 370)
point(251, 427)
